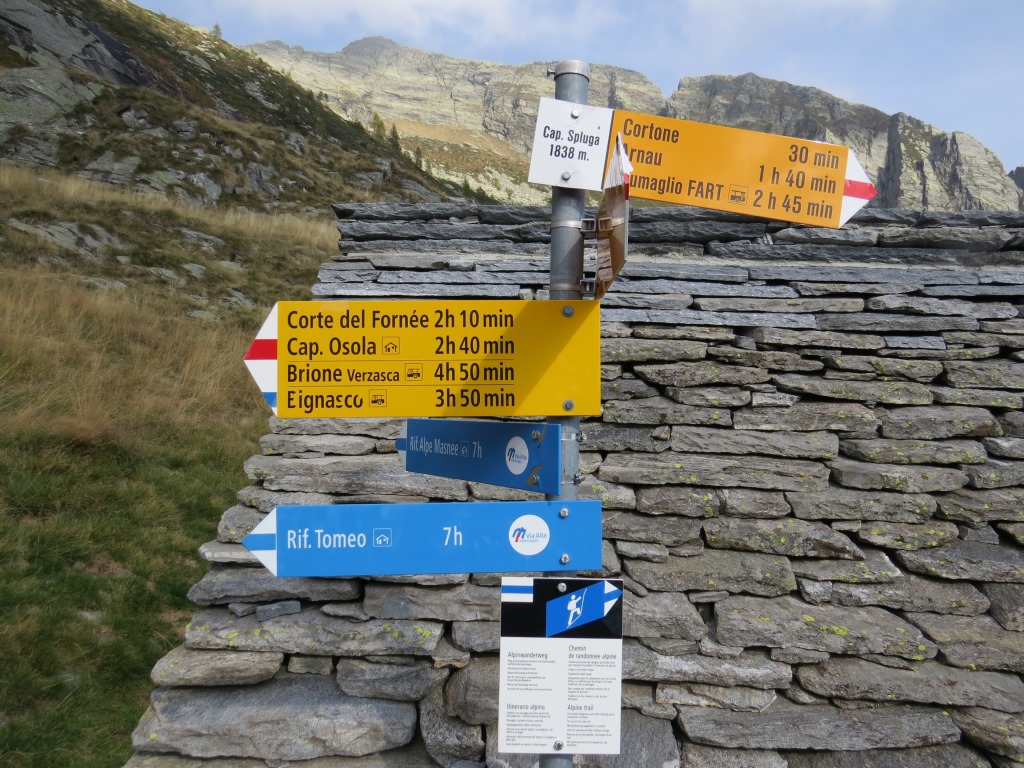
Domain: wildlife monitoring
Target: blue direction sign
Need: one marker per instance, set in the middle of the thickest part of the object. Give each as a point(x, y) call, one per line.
point(527, 456)
point(409, 539)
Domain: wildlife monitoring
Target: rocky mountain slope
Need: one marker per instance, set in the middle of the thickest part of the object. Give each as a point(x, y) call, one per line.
point(475, 119)
point(118, 94)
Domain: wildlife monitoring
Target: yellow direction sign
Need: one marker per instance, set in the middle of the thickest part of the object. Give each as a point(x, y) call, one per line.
point(346, 359)
point(731, 169)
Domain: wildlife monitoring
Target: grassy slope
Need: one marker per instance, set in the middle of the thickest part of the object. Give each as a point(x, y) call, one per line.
point(123, 427)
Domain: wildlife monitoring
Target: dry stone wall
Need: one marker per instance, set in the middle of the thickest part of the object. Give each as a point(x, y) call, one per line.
point(811, 463)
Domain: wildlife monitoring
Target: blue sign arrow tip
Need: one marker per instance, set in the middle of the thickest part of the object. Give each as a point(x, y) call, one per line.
point(262, 541)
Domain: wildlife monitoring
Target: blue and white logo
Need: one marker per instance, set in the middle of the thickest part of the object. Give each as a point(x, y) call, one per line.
point(581, 607)
point(529, 535)
point(517, 455)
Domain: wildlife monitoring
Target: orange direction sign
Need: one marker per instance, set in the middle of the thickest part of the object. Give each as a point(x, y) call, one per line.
point(731, 169)
point(345, 359)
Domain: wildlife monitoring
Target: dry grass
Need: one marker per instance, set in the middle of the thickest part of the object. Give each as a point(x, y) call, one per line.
point(32, 187)
point(71, 360)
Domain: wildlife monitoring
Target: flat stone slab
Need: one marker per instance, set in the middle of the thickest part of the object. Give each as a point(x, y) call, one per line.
point(889, 392)
point(905, 478)
point(775, 361)
point(987, 374)
point(661, 410)
point(984, 398)
point(373, 474)
point(884, 451)
point(785, 725)
point(916, 370)
point(701, 374)
point(934, 533)
point(874, 568)
point(701, 756)
point(1007, 604)
point(920, 305)
point(1007, 447)
point(184, 666)
point(622, 437)
point(997, 732)
point(312, 632)
point(661, 614)
point(715, 470)
point(781, 305)
point(292, 717)
point(737, 698)
point(396, 681)
point(983, 506)
point(677, 500)
point(667, 530)
point(933, 423)
point(944, 755)
point(697, 317)
point(969, 560)
point(915, 593)
point(797, 538)
point(887, 322)
point(787, 622)
point(928, 682)
point(974, 642)
point(996, 473)
point(709, 397)
point(826, 339)
point(642, 350)
point(745, 502)
point(463, 602)
point(808, 417)
point(848, 504)
point(750, 668)
point(340, 445)
point(793, 445)
point(716, 569)
point(226, 584)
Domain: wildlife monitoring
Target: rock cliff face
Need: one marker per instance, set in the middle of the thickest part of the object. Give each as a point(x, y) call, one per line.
point(123, 96)
point(915, 165)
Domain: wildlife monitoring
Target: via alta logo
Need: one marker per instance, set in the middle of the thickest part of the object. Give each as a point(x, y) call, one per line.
point(517, 455)
point(529, 535)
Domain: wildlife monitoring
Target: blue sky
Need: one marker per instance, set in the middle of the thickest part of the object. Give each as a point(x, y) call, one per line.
point(952, 63)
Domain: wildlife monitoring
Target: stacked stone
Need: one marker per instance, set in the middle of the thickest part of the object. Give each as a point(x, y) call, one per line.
point(811, 463)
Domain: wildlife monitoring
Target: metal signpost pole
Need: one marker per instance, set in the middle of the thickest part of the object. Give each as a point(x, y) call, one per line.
point(572, 83)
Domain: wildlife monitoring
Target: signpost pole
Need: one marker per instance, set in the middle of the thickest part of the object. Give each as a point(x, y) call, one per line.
point(572, 83)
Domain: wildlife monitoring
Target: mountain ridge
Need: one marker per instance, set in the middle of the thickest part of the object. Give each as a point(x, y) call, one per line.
point(913, 164)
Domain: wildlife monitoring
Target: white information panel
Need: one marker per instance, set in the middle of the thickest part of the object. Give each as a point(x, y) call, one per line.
point(561, 666)
point(570, 145)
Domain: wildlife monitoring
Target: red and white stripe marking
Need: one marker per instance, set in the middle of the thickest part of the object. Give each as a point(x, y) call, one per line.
point(261, 359)
point(857, 190)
